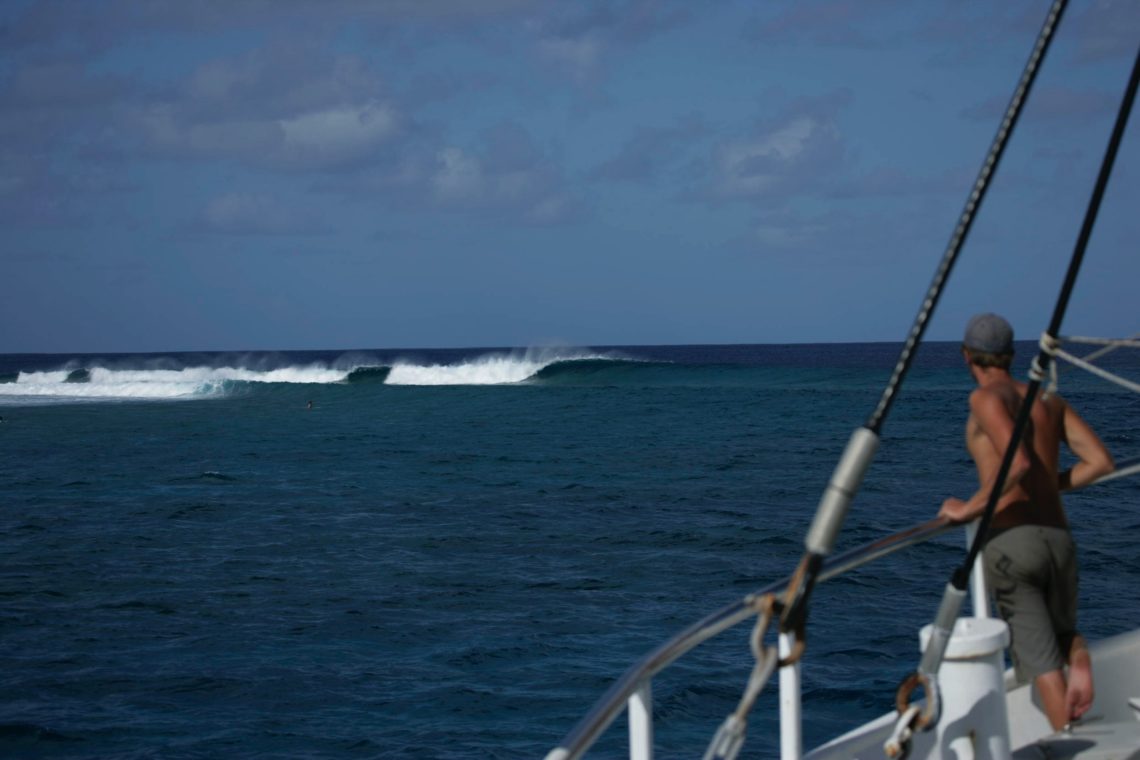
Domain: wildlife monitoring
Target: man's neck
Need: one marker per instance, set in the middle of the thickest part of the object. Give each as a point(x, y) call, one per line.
point(989, 375)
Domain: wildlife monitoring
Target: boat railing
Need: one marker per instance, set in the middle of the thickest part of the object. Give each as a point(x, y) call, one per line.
point(633, 692)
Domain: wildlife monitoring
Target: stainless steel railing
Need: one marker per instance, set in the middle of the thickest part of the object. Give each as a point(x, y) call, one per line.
point(633, 688)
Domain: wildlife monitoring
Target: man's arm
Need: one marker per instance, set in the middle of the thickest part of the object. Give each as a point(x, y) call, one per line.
point(995, 422)
point(1095, 461)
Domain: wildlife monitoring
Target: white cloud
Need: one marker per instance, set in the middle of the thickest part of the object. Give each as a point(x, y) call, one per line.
point(278, 107)
point(776, 162)
point(323, 139)
point(465, 182)
point(253, 214)
point(458, 177)
point(339, 134)
point(752, 166)
point(462, 178)
point(581, 37)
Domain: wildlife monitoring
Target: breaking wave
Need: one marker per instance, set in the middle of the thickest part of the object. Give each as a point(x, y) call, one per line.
point(532, 367)
point(368, 375)
point(163, 379)
point(106, 383)
point(488, 369)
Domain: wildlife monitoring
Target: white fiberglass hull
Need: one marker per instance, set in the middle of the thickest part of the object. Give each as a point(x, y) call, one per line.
point(1110, 731)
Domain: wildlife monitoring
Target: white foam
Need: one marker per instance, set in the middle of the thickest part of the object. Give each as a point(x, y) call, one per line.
point(313, 373)
point(490, 369)
point(43, 378)
point(484, 371)
point(105, 383)
point(143, 390)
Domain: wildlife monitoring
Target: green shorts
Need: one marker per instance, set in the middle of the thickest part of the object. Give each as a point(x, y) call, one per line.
point(1032, 572)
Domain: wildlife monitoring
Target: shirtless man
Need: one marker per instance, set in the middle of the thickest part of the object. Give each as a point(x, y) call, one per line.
point(1030, 559)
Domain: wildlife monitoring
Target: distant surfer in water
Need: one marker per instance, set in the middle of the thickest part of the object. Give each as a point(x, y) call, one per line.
point(1030, 559)
point(310, 405)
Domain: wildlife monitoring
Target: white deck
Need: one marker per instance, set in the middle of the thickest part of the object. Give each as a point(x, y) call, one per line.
point(1110, 731)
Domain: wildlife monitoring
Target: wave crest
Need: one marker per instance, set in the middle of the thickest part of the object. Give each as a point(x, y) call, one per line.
point(155, 382)
point(164, 379)
point(491, 369)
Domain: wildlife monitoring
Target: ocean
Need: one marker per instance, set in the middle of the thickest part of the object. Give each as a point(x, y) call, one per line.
point(453, 554)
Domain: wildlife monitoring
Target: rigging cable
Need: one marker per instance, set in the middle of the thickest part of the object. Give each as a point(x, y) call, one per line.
point(966, 220)
point(1044, 356)
point(956, 589)
point(853, 463)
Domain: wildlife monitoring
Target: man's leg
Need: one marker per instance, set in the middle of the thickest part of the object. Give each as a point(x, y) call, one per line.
point(1051, 687)
point(1064, 699)
point(1079, 693)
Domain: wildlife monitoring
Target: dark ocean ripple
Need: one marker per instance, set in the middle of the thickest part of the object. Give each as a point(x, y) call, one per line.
point(461, 570)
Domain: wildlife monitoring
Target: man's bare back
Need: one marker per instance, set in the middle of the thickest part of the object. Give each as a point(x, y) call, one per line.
point(1032, 490)
point(1034, 498)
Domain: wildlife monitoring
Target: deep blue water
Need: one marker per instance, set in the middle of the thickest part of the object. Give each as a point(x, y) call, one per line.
point(198, 564)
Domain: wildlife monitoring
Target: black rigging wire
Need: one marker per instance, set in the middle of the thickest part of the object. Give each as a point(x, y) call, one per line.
point(796, 599)
point(966, 220)
point(1041, 364)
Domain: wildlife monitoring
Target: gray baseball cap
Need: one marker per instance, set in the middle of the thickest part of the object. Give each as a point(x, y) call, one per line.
point(989, 334)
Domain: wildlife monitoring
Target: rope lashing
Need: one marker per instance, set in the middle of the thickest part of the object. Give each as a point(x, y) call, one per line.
point(1049, 346)
point(793, 608)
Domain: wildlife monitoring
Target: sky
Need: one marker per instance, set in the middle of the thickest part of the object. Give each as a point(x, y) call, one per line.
point(353, 174)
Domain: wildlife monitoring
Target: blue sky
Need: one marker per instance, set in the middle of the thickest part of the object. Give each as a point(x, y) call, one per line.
point(278, 174)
